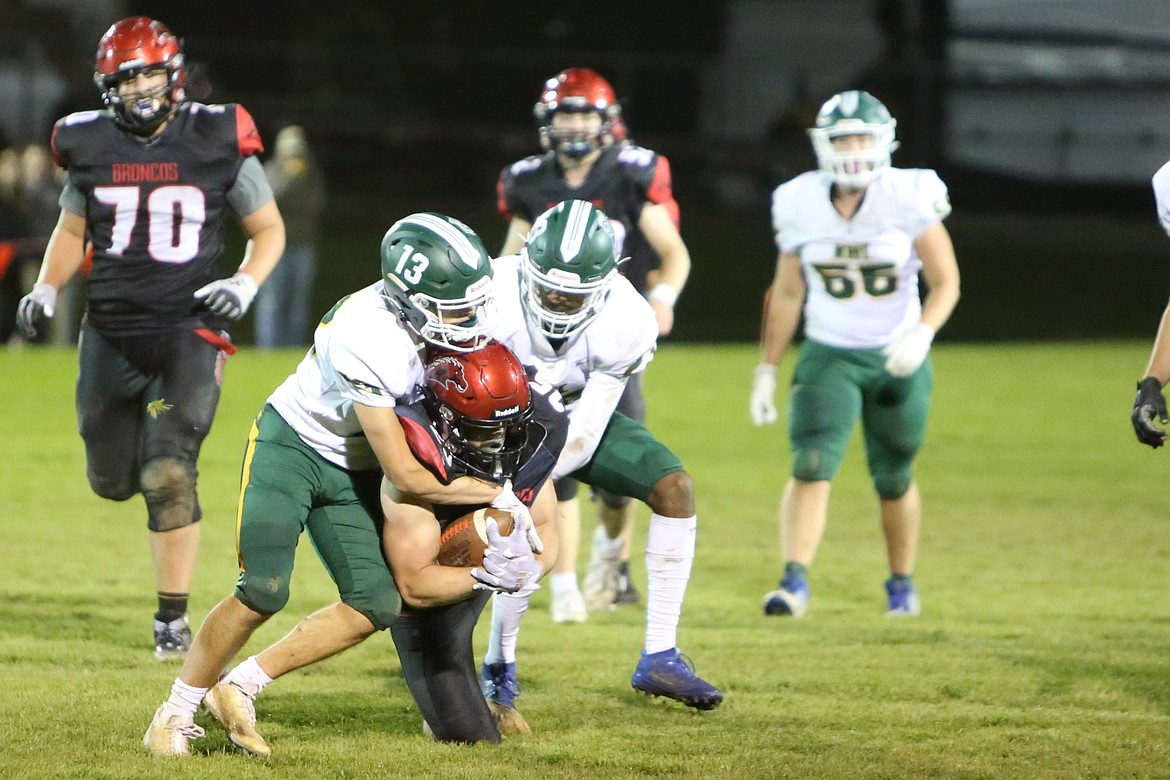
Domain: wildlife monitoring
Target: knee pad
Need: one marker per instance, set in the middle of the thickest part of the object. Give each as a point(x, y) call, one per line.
point(380, 604)
point(566, 488)
point(168, 485)
point(893, 485)
point(113, 488)
point(611, 500)
point(264, 595)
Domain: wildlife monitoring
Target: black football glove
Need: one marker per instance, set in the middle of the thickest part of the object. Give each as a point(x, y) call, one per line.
point(1148, 405)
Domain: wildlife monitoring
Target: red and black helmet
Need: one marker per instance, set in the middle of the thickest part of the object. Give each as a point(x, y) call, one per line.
point(481, 406)
point(578, 90)
point(130, 46)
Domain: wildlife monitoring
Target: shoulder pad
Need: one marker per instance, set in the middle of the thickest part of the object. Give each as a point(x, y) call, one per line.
point(525, 165)
point(637, 156)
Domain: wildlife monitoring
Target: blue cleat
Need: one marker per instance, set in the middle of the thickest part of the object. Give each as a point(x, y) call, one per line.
point(790, 599)
point(671, 674)
point(903, 598)
point(499, 684)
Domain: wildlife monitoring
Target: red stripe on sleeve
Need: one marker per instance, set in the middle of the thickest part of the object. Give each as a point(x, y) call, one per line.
point(501, 201)
point(422, 444)
point(247, 136)
point(661, 191)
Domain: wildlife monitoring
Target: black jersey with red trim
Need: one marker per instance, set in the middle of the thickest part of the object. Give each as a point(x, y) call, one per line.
point(154, 210)
point(546, 438)
point(622, 180)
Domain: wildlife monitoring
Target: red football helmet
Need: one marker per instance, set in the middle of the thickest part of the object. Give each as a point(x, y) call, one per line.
point(578, 90)
point(481, 405)
point(129, 47)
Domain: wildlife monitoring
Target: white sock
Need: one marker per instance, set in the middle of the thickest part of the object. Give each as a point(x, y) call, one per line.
point(609, 549)
point(507, 610)
point(249, 677)
point(563, 583)
point(670, 550)
point(184, 700)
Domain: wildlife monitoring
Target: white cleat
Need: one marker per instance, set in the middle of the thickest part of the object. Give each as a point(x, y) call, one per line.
point(170, 735)
point(569, 608)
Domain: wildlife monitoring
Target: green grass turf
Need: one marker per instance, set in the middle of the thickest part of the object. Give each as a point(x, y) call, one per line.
point(1042, 651)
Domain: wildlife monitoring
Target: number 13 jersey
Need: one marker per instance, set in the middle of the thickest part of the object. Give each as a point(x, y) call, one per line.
point(861, 273)
point(154, 209)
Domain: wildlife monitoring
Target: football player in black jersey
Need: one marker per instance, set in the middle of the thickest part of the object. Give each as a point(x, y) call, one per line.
point(149, 180)
point(588, 157)
point(480, 416)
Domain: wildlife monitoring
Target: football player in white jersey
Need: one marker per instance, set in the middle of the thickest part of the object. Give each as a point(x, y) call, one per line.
point(315, 461)
point(853, 238)
point(566, 311)
point(1149, 406)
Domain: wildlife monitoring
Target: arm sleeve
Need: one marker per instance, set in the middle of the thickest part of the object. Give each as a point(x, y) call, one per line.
point(931, 202)
point(72, 199)
point(588, 421)
point(251, 190)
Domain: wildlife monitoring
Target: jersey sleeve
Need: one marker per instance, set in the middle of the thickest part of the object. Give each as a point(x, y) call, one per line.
point(247, 136)
point(1161, 182)
point(626, 345)
point(366, 366)
point(503, 191)
point(929, 203)
point(785, 230)
point(651, 174)
point(423, 440)
point(251, 189)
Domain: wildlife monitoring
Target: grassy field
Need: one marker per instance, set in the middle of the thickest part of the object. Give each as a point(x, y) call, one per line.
point(1043, 650)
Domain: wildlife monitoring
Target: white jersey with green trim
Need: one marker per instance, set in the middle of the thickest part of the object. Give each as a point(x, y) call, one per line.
point(620, 341)
point(1162, 196)
point(861, 273)
point(361, 354)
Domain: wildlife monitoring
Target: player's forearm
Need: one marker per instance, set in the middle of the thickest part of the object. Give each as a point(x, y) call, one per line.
point(783, 317)
point(434, 585)
point(266, 240)
point(1159, 365)
point(64, 254)
point(588, 421)
point(938, 305)
point(463, 490)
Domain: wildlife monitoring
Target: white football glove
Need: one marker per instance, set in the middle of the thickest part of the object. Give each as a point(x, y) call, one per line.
point(906, 353)
point(763, 404)
point(508, 564)
point(39, 303)
point(229, 297)
point(509, 502)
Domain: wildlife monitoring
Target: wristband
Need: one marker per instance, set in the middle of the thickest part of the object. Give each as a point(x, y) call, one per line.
point(663, 293)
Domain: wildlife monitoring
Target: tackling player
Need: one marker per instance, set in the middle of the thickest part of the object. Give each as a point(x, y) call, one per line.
point(566, 311)
point(853, 238)
point(1149, 406)
point(587, 157)
point(317, 453)
point(148, 182)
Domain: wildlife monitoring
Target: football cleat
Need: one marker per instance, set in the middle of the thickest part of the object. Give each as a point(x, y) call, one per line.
point(790, 599)
point(501, 691)
point(671, 674)
point(170, 735)
point(601, 578)
point(172, 640)
point(569, 608)
point(903, 598)
point(234, 710)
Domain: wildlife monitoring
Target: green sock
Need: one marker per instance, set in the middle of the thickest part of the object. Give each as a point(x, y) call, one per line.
point(902, 577)
point(796, 570)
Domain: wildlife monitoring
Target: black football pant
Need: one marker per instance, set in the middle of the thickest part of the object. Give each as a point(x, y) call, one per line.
point(434, 647)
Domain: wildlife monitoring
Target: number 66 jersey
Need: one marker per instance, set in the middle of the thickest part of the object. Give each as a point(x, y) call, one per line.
point(154, 209)
point(861, 273)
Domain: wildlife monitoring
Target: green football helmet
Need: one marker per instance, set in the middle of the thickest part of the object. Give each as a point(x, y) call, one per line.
point(437, 276)
point(855, 113)
point(569, 260)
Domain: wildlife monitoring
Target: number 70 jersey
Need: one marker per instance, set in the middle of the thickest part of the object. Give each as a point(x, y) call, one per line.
point(861, 273)
point(154, 210)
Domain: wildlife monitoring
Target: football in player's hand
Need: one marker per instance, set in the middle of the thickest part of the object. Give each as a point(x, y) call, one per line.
point(463, 541)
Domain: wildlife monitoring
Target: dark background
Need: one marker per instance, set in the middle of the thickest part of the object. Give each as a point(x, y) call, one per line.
point(415, 106)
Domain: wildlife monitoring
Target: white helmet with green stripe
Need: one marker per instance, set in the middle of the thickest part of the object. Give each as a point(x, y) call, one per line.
point(853, 113)
point(437, 276)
